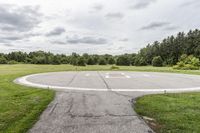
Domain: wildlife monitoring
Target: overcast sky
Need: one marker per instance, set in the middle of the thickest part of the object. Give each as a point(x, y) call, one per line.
point(92, 26)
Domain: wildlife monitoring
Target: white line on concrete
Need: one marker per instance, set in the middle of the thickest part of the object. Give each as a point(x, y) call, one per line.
point(87, 75)
point(124, 77)
point(146, 75)
point(24, 81)
point(128, 77)
point(107, 76)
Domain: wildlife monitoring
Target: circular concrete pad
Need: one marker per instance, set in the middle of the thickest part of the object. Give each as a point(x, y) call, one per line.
point(114, 81)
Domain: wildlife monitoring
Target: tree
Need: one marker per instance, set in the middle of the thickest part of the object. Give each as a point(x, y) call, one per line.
point(133, 61)
point(3, 60)
point(111, 61)
point(74, 58)
point(123, 60)
point(81, 61)
point(90, 61)
point(139, 61)
point(169, 50)
point(157, 61)
point(96, 59)
point(38, 60)
point(17, 56)
point(102, 61)
point(56, 60)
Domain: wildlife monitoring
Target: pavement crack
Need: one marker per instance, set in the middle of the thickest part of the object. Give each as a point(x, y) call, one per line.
point(89, 115)
point(53, 108)
point(104, 81)
point(110, 89)
point(120, 94)
point(114, 115)
point(75, 75)
point(70, 106)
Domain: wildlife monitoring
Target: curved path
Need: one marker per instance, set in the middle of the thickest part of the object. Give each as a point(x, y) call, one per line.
point(101, 102)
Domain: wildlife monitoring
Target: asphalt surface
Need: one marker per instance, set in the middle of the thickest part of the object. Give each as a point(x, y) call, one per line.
point(101, 102)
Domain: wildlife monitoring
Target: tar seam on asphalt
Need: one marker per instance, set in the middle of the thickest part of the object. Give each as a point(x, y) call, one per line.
point(107, 86)
point(71, 105)
point(75, 75)
point(53, 108)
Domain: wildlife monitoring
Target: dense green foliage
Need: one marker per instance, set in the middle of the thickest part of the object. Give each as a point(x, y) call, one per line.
point(169, 50)
point(81, 61)
point(188, 63)
point(157, 61)
point(3, 60)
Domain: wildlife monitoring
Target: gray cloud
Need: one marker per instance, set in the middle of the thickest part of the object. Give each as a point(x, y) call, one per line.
point(115, 15)
point(8, 45)
point(58, 42)
point(155, 25)
point(171, 28)
point(86, 40)
point(190, 3)
point(124, 40)
point(140, 4)
point(10, 38)
point(32, 34)
point(17, 37)
point(55, 32)
point(15, 18)
point(7, 28)
point(97, 7)
point(120, 48)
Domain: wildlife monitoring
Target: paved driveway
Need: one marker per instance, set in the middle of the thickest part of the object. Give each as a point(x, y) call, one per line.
point(101, 102)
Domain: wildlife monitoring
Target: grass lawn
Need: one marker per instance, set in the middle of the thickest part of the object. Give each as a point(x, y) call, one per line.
point(172, 113)
point(21, 106)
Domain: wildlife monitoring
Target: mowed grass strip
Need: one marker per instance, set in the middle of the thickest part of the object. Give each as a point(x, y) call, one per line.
point(21, 106)
point(171, 113)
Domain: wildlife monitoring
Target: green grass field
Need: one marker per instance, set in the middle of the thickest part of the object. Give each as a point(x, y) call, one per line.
point(21, 106)
point(172, 113)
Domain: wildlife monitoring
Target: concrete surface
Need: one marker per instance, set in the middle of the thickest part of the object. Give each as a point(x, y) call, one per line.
point(114, 81)
point(101, 102)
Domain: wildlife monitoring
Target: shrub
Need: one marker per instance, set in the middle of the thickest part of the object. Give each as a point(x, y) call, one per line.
point(13, 62)
point(114, 67)
point(187, 63)
point(157, 61)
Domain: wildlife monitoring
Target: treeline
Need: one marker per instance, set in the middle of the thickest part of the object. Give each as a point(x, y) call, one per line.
point(165, 53)
point(41, 57)
point(172, 48)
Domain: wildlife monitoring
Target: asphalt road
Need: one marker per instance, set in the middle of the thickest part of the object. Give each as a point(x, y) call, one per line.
point(101, 102)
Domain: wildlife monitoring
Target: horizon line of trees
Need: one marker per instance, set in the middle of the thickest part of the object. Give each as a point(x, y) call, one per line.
point(165, 53)
point(41, 57)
